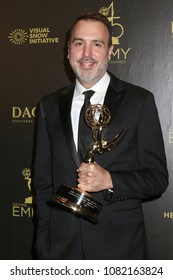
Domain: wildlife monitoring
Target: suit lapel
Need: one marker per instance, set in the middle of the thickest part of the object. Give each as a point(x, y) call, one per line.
point(113, 98)
point(65, 114)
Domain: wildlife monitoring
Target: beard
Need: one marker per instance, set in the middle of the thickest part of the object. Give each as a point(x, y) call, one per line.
point(89, 76)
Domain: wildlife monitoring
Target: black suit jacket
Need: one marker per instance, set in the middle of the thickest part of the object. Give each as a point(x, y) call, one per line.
point(137, 167)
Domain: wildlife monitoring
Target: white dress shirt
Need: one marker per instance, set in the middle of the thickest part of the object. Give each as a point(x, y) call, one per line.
point(99, 88)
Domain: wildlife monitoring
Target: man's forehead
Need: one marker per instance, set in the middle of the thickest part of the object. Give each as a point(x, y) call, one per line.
point(93, 27)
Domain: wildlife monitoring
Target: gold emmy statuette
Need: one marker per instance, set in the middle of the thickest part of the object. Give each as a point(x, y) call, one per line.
point(72, 198)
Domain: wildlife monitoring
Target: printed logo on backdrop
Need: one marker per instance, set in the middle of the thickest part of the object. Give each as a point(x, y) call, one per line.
point(35, 35)
point(23, 114)
point(119, 54)
point(168, 215)
point(25, 208)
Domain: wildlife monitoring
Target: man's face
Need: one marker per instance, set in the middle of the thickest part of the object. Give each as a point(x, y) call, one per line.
point(88, 51)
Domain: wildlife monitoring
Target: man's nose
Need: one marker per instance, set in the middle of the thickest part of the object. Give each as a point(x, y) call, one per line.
point(87, 50)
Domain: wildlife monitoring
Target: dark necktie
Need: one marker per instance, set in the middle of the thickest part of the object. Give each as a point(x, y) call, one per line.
point(84, 132)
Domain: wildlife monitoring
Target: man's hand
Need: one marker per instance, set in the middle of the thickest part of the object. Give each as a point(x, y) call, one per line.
point(93, 178)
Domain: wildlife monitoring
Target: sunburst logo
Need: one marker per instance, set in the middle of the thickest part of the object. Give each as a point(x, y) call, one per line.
point(18, 36)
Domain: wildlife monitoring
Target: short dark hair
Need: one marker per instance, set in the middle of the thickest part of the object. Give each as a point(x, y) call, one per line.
point(94, 16)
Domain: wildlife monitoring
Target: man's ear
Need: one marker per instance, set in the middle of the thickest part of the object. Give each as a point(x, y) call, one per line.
point(68, 50)
point(110, 52)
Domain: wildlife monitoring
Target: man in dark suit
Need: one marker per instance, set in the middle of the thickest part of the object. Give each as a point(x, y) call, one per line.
point(121, 179)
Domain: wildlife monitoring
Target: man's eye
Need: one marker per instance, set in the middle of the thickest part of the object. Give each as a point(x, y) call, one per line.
point(98, 45)
point(78, 43)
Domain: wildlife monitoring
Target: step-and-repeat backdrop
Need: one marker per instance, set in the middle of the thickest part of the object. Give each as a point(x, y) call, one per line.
point(33, 64)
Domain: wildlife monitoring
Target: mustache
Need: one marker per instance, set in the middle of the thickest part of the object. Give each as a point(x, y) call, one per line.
point(87, 59)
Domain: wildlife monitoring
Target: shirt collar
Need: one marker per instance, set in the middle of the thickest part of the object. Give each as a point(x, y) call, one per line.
point(99, 88)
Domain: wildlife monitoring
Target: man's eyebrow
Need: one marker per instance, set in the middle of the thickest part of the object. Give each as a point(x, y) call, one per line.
point(94, 40)
point(99, 41)
point(77, 39)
